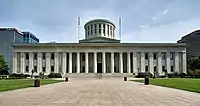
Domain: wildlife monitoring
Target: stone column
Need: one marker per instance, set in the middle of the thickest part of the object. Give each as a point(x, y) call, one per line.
point(78, 62)
point(135, 70)
point(102, 30)
point(48, 62)
point(95, 62)
point(70, 62)
point(184, 62)
point(98, 29)
point(64, 63)
point(128, 62)
point(112, 63)
point(22, 67)
point(159, 63)
point(176, 62)
point(106, 30)
point(113, 33)
point(93, 30)
point(56, 66)
point(121, 62)
point(86, 62)
point(168, 62)
point(39, 62)
point(151, 69)
point(30, 62)
point(14, 68)
point(142, 64)
point(104, 62)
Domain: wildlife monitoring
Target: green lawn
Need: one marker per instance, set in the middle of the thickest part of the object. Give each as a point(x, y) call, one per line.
point(6, 85)
point(178, 83)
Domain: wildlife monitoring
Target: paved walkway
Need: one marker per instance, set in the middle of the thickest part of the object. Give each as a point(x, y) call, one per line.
point(95, 92)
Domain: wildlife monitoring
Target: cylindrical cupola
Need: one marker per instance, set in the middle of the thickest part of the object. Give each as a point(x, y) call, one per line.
point(99, 27)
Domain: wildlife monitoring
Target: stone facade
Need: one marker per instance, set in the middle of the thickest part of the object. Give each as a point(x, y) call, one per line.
point(99, 58)
point(99, 53)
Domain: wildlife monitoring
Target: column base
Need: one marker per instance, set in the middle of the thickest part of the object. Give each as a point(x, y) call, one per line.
point(93, 75)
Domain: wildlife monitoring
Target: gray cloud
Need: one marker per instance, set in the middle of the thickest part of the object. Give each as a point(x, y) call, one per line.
point(142, 20)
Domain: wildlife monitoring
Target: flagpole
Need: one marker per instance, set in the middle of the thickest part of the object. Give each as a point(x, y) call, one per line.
point(120, 36)
point(78, 29)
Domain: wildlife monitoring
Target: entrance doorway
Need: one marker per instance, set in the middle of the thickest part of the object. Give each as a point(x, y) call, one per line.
point(99, 67)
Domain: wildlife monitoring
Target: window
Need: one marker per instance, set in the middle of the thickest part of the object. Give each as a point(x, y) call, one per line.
point(163, 56)
point(95, 28)
point(27, 56)
point(154, 56)
point(99, 28)
point(83, 57)
point(44, 69)
point(172, 68)
point(104, 30)
point(146, 68)
point(155, 68)
point(91, 29)
point(146, 56)
point(163, 69)
point(52, 55)
point(35, 56)
point(108, 30)
point(171, 56)
point(27, 70)
point(52, 69)
point(35, 69)
point(43, 55)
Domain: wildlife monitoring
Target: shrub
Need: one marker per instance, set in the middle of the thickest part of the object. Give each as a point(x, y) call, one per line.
point(193, 73)
point(18, 76)
point(55, 75)
point(143, 74)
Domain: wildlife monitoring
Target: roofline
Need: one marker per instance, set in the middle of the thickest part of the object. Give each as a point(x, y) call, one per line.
point(103, 44)
point(103, 20)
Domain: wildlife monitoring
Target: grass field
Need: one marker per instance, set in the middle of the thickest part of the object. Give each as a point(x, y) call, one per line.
point(6, 85)
point(178, 83)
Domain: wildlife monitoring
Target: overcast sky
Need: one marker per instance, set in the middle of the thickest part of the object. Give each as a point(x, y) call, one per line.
point(142, 20)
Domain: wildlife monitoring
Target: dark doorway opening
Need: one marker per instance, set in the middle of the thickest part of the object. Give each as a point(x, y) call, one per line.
point(99, 67)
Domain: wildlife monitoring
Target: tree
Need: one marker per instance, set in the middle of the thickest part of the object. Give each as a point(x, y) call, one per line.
point(194, 64)
point(3, 66)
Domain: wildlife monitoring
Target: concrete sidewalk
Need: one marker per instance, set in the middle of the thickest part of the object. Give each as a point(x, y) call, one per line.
point(99, 92)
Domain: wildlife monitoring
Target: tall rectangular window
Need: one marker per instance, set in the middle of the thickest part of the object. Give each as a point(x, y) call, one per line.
point(44, 69)
point(27, 56)
point(154, 56)
point(146, 56)
point(95, 28)
point(35, 56)
point(52, 69)
point(52, 55)
point(163, 69)
point(35, 69)
point(146, 68)
point(172, 68)
point(171, 56)
point(163, 56)
point(27, 69)
point(44, 56)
